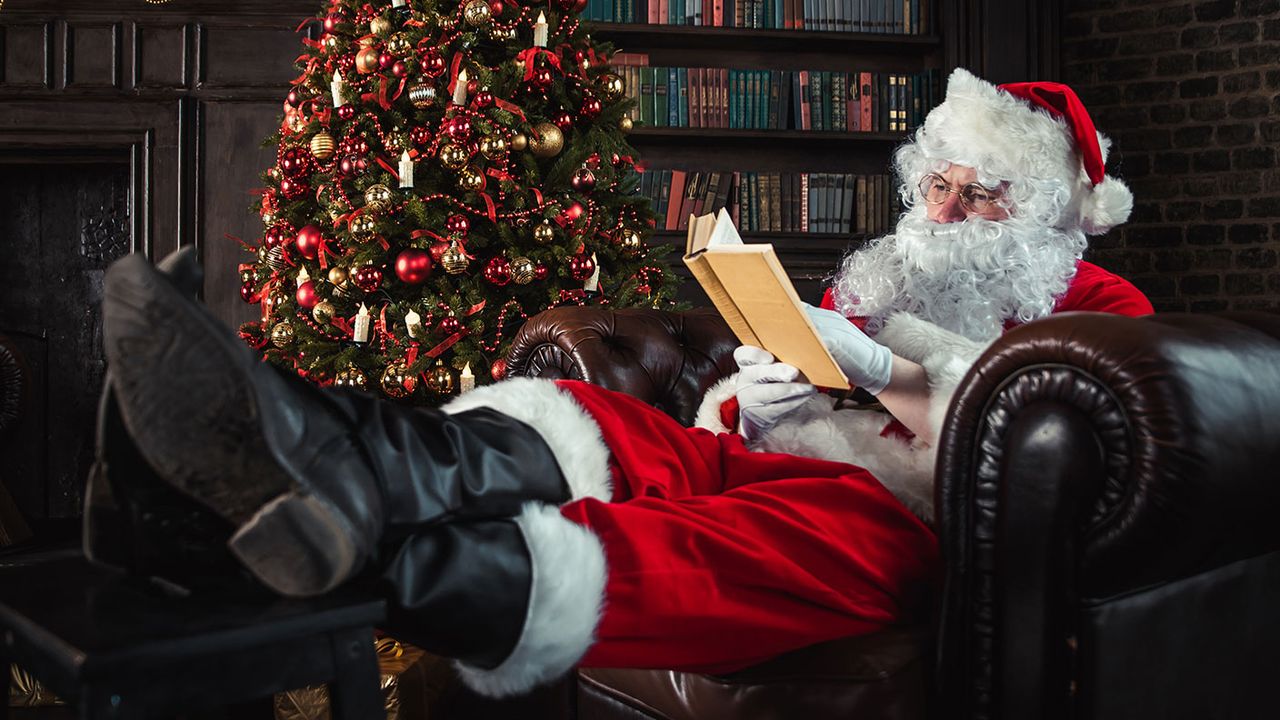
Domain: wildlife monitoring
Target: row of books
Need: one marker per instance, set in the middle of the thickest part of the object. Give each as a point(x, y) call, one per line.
point(903, 17)
point(779, 99)
point(775, 202)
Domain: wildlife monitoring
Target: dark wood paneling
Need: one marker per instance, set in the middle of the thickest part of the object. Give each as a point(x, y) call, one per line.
point(27, 55)
point(92, 55)
point(247, 57)
point(163, 56)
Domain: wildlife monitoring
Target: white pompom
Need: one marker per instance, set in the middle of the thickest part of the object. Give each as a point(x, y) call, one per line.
point(1106, 206)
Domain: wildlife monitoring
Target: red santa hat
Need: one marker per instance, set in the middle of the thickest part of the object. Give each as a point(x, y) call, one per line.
point(1037, 132)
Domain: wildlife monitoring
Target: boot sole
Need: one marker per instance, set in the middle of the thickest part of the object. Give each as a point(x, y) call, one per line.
point(189, 402)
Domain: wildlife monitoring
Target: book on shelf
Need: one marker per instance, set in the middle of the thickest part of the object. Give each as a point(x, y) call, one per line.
point(750, 288)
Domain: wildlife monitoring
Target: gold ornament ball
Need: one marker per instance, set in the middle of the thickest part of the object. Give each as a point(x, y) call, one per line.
point(352, 377)
point(522, 270)
point(470, 179)
point(439, 379)
point(453, 156)
point(367, 60)
point(612, 87)
point(396, 381)
point(377, 198)
point(454, 259)
point(422, 95)
point(476, 12)
point(399, 44)
point(544, 233)
point(625, 124)
point(380, 26)
point(519, 142)
point(323, 312)
point(275, 258)
point(548, 141)
point(282, 334)
point(493, 147)
point(362, 226)
point(630, 241)
point(330, 42)
point(340, 279)
point(322, 145)
point(268, 218)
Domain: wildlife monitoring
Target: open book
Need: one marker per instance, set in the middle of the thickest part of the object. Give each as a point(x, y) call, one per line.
point(755, 296)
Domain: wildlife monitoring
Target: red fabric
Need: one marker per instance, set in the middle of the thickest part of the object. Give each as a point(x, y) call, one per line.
point(1061, 101)
point(719, 558)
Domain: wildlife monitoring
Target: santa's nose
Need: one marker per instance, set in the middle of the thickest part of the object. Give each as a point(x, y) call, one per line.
point(950, 210)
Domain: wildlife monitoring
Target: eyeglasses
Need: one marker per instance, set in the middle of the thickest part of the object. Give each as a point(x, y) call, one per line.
point(973, 197)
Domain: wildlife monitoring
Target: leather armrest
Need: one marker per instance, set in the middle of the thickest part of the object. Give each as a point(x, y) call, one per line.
point(667, 359)
point(1088, 455)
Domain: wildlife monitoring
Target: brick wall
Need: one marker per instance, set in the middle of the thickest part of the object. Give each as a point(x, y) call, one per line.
point(1189, 92)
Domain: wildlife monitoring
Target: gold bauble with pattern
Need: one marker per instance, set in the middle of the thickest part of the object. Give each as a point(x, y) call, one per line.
point(453, 156)
point(323, 312)
point(273, 257)
point(493, 147)
point(544, 233)
point(519, 142)
point(377, 198)
point(470, 179)
point(611, 86)
point(476, 12)
point(630, 241)
point(454, 259)
point(282, 334)
point(422, 95)
point(523, 270)
point(380, 26)
point(322, 145)
point(399, 45)
point(547, 140)
point(362, 226)
point(396, 382)
point(440, 379)
point(340, 279)
point(352, 377)
point(625, 124)
point(367, 60)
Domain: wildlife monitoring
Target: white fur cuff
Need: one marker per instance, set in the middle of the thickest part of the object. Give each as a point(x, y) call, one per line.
point(566, 428)
point(708, 417)
point(565, 602)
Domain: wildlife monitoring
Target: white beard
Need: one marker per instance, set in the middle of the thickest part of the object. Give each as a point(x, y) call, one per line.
point(969, 277)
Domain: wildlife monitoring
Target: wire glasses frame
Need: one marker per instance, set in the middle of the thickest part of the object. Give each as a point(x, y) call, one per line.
point(973, 197)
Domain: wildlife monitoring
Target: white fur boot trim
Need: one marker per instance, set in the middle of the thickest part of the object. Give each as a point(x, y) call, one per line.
point(565, 426)
point(708, 416)
point(565, 602)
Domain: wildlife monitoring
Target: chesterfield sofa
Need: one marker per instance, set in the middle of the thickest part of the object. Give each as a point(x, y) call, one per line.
point(1107, 503)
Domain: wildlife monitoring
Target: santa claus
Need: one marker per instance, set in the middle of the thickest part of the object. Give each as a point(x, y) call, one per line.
point(530, 526)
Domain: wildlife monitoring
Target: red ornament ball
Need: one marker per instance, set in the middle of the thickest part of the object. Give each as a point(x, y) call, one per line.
point(540, 79)
point(420, 136)
point(306, 295)
point(275, 235)
point(332, 21)
point(294, 189)
point(458, 127)
point(591, 106)
point(473, 86)
point(498, 271)
point(498, 369)
point(449, 325)
point(308, 241)
point(583, 180)
point(346, 112)
point(367, 277)
point(294, 98)
point(438, 249)
point(457, 224)
point(294, 162)
point(482, 100)
point(496, 7)
point(385, 60)
point(571, 213)
point(571, 6)
point(433, 63)
point(247, 292)
point(540, 271)
point(413, 266)
point(581, 266)
point(563, 120)
point(399, 69)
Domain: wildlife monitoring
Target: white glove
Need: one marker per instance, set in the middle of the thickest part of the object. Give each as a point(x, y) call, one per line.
point(766, 390)
point(867, 363)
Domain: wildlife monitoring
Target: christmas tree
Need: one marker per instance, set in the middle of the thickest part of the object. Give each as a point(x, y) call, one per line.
point(444, 170)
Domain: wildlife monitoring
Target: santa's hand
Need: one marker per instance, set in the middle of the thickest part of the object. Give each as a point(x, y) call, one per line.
point(766, 390)
point(867, 363)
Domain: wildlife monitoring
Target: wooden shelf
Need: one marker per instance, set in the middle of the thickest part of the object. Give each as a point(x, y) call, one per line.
point(722, 136)
point(763, 40)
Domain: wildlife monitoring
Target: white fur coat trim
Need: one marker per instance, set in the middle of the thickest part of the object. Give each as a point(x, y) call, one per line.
point(709, 409)
point(565, 602)
point(565, 426)
point(852, 436)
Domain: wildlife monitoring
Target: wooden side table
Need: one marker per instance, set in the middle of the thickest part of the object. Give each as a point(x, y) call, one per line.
point(119, 647)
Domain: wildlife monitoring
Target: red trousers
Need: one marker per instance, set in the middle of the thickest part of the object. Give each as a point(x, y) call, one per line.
point(720, 558)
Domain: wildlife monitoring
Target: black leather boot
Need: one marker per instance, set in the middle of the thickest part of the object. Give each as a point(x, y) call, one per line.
point(310, 479)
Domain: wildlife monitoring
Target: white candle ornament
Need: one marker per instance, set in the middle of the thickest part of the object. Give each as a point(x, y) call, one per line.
point(336, 88)
point(466, 381)
point(413, 324)
point(398, 3)
point(540, 31)
point(593, 282)
point(460, 89)
point(303, 276)
point(361, 331)
point(406, 170)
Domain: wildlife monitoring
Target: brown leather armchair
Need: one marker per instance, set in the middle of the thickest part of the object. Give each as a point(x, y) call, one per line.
point(1107, 496)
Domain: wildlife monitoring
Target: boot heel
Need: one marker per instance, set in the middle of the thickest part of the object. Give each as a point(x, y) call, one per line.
point(298, 545)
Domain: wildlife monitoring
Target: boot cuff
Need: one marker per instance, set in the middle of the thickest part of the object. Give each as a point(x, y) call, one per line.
point(565, 602)
point(566, 428)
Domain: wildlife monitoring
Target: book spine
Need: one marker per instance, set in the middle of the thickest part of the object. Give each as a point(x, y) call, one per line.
point(675, 196)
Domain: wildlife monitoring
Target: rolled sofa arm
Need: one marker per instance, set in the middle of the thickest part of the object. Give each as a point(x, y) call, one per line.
point(667, 359)
point(1086, 456)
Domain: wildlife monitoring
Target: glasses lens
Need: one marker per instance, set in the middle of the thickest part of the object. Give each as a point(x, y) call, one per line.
point(933, 189)
point(977, 198)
